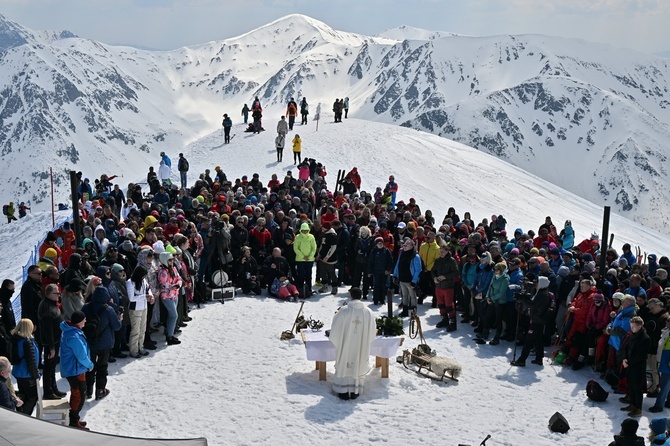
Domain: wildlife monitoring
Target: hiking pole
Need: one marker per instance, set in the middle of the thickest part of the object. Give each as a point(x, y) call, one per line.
point(560, 335)
point(483, 443)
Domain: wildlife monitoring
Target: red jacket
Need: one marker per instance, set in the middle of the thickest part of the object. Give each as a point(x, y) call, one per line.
point(538, 241)
point(599, 316)
point(582, 304)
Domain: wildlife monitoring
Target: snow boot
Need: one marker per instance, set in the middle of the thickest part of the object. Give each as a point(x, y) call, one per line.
point(452, 325)
point(334, 290)
point(443, 323)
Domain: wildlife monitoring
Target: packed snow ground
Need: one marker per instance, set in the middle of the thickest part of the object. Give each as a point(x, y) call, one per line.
point(233, 381)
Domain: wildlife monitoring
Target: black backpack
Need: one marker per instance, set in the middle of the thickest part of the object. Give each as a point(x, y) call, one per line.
point(595, 392)
point(93, 328)
point(5, 209)
point(14, 357)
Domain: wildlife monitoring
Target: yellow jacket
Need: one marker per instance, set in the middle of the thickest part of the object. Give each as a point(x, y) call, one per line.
point(297, 144)
point(428, 253)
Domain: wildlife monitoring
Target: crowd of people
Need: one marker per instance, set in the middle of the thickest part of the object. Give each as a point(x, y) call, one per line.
point(147, 256)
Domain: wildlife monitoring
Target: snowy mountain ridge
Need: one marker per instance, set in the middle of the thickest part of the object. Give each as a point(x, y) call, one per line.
point(587, 117)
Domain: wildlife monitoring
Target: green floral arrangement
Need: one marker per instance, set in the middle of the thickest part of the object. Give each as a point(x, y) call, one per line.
point(390, 326)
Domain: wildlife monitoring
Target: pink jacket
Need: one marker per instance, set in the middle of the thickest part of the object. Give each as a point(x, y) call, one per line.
point(169, 285)
point(303, 173)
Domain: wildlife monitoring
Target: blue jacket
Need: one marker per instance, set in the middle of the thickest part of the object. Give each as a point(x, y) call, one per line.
point(23, 369)
point(620, 326)
point(109, 322)
point(484, 277)
point(469, 274)
point(630, 257)
point(380, 260)
point(166, 159)
point(415, 268)
point(75, 358)
point(569, 237)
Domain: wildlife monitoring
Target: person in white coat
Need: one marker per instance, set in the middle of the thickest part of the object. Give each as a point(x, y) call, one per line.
point(352, 332)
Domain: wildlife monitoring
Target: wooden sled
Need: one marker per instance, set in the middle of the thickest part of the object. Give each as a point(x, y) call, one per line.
point(430, 366)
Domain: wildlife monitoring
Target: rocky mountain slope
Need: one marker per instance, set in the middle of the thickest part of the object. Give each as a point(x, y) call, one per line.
point(587, 117)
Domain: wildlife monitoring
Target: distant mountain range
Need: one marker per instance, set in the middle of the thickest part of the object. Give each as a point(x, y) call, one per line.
point(587, 117)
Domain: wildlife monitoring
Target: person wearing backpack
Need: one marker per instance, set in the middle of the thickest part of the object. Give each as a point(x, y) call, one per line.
point(75, 362)
point(227, 125)
point(291, 112)
point(9, 211)
point(102, 322)
point(24, 360)
point(183, 166)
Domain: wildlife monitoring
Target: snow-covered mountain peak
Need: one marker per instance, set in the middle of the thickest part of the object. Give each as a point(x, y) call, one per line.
point(405, 32)
point(13, 34)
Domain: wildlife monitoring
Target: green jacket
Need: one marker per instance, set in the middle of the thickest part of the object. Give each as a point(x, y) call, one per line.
point(304, 245)
point(498, 289)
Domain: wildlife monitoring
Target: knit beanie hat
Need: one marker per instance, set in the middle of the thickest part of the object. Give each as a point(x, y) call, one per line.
point(658, 425)
point(77, 317)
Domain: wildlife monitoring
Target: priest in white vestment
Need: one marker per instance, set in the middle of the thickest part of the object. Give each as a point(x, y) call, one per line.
point(352, 331)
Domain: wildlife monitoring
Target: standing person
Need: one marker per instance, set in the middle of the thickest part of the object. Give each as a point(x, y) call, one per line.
point(257, 114)
point(304, 247)
point(165, 170)
point(291, 112)
point(25, 357)
point(169, 284)
point(392, 187)
point(182, 166)
point(102, 341)
point(50, 318)
point(407, 271)
point(282, 127)
point(139, 295)
point(245, 113)
point(297, 149)
point(7, 317)
point(352, 332)
point(496, 299)
point(227, 125)
point(346, 106)
point(328, 258)
point(635, 365)
point(444, 273)
point(279, 145)
point(380, 264)
point(304, 111)
point(75, 362)
point(538, 307)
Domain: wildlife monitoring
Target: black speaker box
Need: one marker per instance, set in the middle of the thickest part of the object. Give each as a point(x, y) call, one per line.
point(558, 423)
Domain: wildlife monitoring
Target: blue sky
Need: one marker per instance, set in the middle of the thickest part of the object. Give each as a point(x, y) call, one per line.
point(169, 24)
